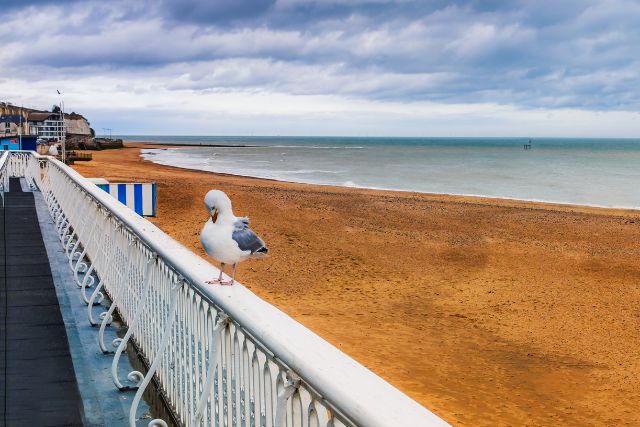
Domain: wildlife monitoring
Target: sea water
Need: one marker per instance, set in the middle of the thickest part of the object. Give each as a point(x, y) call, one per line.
point(597, 172)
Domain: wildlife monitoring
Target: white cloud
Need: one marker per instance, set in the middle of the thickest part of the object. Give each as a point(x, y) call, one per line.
point(383, 67)
point(147, 107)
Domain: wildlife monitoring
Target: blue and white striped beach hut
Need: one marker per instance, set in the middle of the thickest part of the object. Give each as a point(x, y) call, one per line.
point(141, 197)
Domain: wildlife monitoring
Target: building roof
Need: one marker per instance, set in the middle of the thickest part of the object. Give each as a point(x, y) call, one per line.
point(10, 119)
point(40, 117)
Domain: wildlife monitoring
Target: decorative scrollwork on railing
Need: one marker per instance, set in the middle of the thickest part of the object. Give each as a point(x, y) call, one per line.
point(132, 325)
point(81, 266)
point(291, 384)
point(108, 315)
point(96, 292)
point(221, 322)
point(158, 357)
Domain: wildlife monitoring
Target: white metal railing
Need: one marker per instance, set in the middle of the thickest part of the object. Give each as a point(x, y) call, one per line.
point(24, 164)
point(220, 355)
point(4, 172)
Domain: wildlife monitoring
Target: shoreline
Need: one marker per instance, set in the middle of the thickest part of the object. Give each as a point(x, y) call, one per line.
point(480, 197)
point(182, 145)
point(486, 311)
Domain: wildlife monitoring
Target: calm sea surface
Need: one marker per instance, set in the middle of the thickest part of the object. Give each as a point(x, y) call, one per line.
point(600, 172)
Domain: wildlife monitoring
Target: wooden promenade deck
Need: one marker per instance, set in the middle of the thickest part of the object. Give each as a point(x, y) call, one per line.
point(37, 381)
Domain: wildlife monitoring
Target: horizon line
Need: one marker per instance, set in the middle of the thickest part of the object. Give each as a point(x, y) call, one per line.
point(371, 137)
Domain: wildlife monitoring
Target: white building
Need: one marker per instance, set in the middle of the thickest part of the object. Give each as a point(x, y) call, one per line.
point(46, 125)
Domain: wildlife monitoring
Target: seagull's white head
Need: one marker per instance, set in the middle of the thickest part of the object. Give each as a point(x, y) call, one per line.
point(217, 203)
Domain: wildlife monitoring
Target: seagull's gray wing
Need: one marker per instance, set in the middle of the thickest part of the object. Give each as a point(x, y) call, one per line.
point(246, 239)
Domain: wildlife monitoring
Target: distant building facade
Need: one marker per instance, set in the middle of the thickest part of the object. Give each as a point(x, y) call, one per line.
point(10, 124)
point(46, 125)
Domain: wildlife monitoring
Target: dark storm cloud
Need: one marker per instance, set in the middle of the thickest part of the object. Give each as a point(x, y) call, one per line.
point(6, 5)
point(219, 12)
point(527, 53)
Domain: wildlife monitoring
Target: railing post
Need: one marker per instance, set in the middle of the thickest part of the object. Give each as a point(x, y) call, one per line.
point(214, 341)
point(134, 375)
point(108, 267)
point(92, 266)
point(290, 386)
point(158, 357)
point(80, 266)
point(107, 316)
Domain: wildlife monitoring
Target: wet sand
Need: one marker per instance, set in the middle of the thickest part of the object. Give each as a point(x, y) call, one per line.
point(487, 312)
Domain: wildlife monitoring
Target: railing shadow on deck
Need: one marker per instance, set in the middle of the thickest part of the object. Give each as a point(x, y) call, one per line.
point(219, 355)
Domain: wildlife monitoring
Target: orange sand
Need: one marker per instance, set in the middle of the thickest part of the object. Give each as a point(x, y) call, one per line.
point(488, 312)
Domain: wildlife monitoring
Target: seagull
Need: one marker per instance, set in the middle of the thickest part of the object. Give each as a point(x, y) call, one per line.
point(226, 237)
point(53, 150)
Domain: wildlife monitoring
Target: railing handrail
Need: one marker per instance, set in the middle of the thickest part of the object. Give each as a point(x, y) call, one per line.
point(355, 391)
point(3, 159)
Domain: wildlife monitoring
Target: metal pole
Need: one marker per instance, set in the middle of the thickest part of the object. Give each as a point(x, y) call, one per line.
point(64, 134)
point(20, 129)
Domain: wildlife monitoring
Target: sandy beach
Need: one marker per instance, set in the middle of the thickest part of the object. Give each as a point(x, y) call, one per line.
point(487, 312)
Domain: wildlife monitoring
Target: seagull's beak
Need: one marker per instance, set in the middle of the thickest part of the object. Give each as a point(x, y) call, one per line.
point(214, 215)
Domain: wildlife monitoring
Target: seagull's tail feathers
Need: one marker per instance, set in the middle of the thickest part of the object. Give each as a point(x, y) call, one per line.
point(263, 252)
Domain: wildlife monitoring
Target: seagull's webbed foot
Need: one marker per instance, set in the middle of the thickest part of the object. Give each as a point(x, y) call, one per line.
point(229, 282)
point(217, 281)
point(220, 282)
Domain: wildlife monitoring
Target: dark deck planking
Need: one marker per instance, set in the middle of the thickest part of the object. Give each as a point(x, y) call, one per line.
point(37, 380)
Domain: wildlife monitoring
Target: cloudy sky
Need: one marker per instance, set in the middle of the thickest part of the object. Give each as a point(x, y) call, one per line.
point(330, 67)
